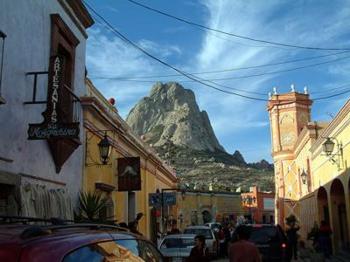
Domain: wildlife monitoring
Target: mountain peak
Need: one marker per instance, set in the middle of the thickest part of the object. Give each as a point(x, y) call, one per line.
point(171, 114)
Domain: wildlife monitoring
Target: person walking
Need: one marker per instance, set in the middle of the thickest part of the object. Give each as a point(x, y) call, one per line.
point(324, 239)
point(221, 238)
point(200, 252)
point(242, 250)
point(292, 236)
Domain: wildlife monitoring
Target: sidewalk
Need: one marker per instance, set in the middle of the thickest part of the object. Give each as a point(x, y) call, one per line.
point(309, 255)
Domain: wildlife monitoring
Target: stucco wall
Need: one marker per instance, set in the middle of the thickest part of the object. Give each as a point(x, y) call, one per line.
point(27, 25)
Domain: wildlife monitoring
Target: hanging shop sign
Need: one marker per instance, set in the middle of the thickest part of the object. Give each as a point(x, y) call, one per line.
point(53, 126)
point(129, 174)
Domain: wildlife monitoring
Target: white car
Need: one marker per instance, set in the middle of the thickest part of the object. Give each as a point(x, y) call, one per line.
point(210, 239)
point(215, 226)
point(177, 247)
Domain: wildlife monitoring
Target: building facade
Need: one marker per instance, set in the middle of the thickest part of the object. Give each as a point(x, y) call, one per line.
point(43, 73)
point(258, 206)
point(200, 207)
point(311, 165)
point(101, 118)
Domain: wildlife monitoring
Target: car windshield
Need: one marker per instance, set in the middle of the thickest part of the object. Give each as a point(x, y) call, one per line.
point(177, 243)
point(199, 231)
point(263, 234)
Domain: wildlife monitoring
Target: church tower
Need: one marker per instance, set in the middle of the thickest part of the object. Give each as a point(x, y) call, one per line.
point(289, 113)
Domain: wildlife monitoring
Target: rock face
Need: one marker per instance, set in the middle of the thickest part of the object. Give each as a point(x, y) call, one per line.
point(169, 119)
point(171, 114)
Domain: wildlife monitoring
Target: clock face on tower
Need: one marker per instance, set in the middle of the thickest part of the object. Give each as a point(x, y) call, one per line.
point(287, 139)
point(303, 118)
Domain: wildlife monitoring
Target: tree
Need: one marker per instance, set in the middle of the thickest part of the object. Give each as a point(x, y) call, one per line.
point(90, 206)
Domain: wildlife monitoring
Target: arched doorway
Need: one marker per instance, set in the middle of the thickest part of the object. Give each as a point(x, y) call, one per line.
point(340, 225)
point(207, 217)
point(322, 204)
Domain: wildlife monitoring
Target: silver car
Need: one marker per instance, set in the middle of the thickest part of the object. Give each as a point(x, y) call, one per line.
point(207, 232)
point(177, 247)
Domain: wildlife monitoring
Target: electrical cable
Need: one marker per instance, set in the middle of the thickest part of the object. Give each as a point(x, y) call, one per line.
point(192, 77)
point(232, 34)
point(223, 70)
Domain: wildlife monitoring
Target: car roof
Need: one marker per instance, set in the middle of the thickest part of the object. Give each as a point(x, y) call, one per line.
point(180, 236)
point(198, 227)
point(56, 241)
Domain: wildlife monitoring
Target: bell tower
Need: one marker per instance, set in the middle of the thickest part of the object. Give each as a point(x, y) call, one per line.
point(289, 113)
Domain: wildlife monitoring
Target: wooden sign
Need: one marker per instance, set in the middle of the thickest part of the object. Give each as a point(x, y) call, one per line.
point(129, 174)
point(53, 127)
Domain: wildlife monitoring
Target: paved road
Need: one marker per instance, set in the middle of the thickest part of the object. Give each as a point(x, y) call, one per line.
point(341, 256)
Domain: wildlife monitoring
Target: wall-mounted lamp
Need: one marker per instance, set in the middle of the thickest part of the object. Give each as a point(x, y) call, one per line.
point(104, 147)
point(303, 177)
point(328, 148)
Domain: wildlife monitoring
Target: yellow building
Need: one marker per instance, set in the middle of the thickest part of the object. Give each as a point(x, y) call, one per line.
point(312, 182)
point(102, 118)
point(200, 207)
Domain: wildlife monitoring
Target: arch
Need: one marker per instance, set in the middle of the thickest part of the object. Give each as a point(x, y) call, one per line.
point(322, 205)
point(340, 225)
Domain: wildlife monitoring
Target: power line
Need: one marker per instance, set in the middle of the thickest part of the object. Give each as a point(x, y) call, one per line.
point(192, 77)
point(232, 34)
point(224, 70)
point(237, 77)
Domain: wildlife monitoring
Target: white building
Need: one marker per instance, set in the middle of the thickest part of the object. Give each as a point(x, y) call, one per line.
point(45, 39)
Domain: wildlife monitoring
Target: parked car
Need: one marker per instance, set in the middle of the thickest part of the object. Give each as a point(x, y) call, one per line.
point(73, 242)
point(215, 226)
point(210, 238)
point(177, 247)
point(271, 241)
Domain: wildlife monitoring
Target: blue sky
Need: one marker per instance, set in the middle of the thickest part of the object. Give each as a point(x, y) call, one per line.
point(238, 123)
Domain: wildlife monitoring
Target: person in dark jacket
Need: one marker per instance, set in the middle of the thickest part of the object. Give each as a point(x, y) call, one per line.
point(199, 252)
point(324, 239)
point(292, 236)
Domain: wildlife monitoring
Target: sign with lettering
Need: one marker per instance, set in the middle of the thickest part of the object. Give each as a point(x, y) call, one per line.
point(129, 174)
point(53, 126)
point(155, 199)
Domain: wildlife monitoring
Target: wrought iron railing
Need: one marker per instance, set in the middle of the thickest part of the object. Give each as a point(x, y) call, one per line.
point(2, 37)
point(76, 107)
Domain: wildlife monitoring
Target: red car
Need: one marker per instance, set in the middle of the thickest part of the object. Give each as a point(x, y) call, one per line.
point(73, 242)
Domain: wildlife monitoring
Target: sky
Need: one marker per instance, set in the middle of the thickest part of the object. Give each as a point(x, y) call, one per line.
point(121, 71)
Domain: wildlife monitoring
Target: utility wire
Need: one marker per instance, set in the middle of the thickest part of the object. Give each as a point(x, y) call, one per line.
point(232, 34)
point(137, 79)
point(223, 70)
point(192, 77)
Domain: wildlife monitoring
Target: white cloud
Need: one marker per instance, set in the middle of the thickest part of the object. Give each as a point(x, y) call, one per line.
point(309, 23)
point(163, 51)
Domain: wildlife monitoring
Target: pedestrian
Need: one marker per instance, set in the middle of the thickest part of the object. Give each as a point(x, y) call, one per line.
point(313, 235)
point(292, 236)
point(221, 238)
point(133, 225)
point(242, 250)
point(324, 239)
point(200, 252)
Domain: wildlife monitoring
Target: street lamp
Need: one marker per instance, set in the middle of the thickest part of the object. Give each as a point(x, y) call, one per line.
point(104, 147)
point(328, 147)
point(303, 176)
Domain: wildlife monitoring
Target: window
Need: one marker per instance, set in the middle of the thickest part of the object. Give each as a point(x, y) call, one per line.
point(63, 44)
point(142, 249)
